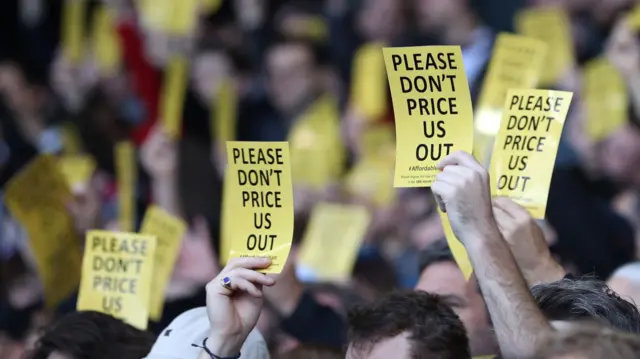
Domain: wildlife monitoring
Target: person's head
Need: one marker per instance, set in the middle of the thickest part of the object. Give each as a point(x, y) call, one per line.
point(210, 67)
point(621, 154)
point(406, 325)
point(577, 300)
point(626, 282)
point(292, 73)
point(380, 20)
point(435, 16)
point(91, 335)
point(312, 352)
point(439, 274)
point(590, 342)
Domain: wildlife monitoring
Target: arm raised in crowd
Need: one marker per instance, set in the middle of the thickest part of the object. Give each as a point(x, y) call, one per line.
point(159, 157)
point(462, 190)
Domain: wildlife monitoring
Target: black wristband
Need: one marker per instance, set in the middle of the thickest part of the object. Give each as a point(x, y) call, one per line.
point(213, 356)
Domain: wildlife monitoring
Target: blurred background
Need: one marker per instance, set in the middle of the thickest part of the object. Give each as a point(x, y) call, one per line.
point(79, 76)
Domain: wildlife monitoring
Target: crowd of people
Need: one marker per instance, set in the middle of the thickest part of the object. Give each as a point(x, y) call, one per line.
point(264, 70)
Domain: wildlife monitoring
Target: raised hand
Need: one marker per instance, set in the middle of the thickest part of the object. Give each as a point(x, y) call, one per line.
point(159, 155)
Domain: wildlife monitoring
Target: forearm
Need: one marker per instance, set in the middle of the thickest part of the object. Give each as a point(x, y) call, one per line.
point(548, 272)
point(165, 194)
point(520, 326)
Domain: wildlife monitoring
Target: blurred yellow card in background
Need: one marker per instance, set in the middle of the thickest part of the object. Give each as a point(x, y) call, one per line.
point(184, 18)
point(371, 178)
point(226, 217)
point(224, 116)
point(369, 84)
point(551, 25)
point(317, 151)
point(457, 248)
point(169, 231)
point(117, 270)
point(331, 242)
point(605, 97)
point(73, 18)
point(633, 18)
point(106, 44)
point(127, 177)
point(36, 197)
point(77, 170)
point(432, 107)
point(174, 89)
point(516, 62)
point(526, 146)
point(259, 201)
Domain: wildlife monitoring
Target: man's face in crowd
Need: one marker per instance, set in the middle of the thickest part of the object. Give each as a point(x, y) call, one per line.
point(290, 68)
point(446, 279)
point(435, 15)
point(208, 70)
point(621, 155)
point(396, 347)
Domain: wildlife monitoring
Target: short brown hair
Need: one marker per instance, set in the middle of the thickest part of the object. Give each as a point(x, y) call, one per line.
point(591, 342)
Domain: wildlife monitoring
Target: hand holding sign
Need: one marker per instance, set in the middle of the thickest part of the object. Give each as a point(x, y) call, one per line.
point(234, 303)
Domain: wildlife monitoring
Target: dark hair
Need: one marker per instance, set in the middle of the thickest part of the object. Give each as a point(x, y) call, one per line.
point(586, 299)
point(591, 342)
point(312, 352)
point(435, 331)
point(93, 335)
point(435, 252)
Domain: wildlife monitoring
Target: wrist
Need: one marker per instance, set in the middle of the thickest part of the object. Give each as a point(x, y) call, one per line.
point(223, 347)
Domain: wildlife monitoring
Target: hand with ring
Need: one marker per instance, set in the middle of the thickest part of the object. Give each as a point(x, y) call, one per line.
point(234, 303)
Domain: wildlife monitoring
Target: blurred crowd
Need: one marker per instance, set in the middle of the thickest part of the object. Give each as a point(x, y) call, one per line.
point(263, 70)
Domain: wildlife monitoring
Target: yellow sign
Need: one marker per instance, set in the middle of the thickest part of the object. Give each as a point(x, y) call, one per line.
point(526, 146)
point(77, 170)
point(106, 44)
point(73, 30)
point(169, 232)
point(432, 107)
point(457, 248)
point(551, 25)
point(71, 142)
point(369, 86)
point(371, 178)
point(36, 198)
point(260, 201)
point(633, 18)
point(173, 94)
point(184, 17)
point(317, 149)
point(331, 242)
point(224, 114)
point(127, 177)
point(116, 275)
point(605, 97)
point(516, 62)
point(226, 219)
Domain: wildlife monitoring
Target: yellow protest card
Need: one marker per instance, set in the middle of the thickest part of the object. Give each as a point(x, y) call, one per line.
point(77, 170)
point(224, 116)
point(106, 45)
point(432, 107)
point(457, 248)
point(211, 6)
point(169, 231)
point(605, 97)
point(379, 138)
point(157, 14)
point(73, 30)
point(260, 201)
point(372, 179)
point(317, 151)
point(551, 25)
point(127, 177)
point(485, 357)
point(516, 62)
point(117, 270)
point(331, 242)
point(226, 220)
point(71, 143)
point(174, 89)
point(184, 18)
point(36, 197)
point(526, 146)
point(369, 86)
point(633, 18)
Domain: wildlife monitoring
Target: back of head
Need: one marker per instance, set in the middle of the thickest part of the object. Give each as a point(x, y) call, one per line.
point(591, 342)
point(312, 352)
point(586, 299)
point(431, 328)
point(92, 335)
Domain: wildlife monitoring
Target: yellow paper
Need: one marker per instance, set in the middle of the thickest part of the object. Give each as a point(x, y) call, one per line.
point(317, 150)
point(633, 18)
point(226, 219)
point(36, 197)
point(169, 231)
point(211, 6)
point(77, 170)
point(369, 87)
point(117, 270)
point(157, 14)
point(71, 143)
point(106, 45)
point(127, 177)
point(173, 94)
point(605, 97)
point(378, 139)
point(260, 201)
point(372, 179)
point(184, 18)
point(516, 62)
point(331, 242)
point(73, 30)
point(432, 107)
point(456, 247)
point(225, 112)
point(526, 146)
point(551, 25)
